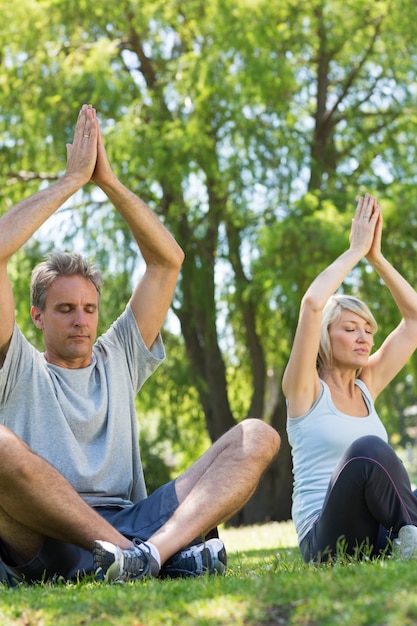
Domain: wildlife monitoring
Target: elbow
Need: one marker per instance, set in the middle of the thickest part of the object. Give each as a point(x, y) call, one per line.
point(181, 256)
point(178, 258)
point(313, 302)
point(285, 382)
point(174, 256)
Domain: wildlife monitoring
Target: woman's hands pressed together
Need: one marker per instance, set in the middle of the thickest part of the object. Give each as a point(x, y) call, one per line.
point(366, 229)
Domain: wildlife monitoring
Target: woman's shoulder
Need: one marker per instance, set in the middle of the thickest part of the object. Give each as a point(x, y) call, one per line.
point(323, 393)
point(363, 386)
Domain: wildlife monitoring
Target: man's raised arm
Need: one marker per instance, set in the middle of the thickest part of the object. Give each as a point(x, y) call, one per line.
point(163, 256)
point(24, 219)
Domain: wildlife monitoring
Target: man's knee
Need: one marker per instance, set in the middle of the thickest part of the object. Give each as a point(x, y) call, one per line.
point(8, 439)
point(12, 451)
point(259, 438)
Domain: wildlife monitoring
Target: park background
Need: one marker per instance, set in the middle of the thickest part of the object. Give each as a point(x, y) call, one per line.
point(250, 127)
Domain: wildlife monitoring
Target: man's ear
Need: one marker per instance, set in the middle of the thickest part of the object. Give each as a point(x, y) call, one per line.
point(36, 315)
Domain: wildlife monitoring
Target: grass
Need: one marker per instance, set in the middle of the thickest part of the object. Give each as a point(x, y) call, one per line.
point(267, 584)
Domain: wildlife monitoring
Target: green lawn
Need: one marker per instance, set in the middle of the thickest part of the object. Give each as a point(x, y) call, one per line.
point(267, 584)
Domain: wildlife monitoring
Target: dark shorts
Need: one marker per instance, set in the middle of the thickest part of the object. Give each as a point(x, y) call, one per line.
point(59, 559)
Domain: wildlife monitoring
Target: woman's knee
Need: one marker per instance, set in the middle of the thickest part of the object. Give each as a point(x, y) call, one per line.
point(370, 446)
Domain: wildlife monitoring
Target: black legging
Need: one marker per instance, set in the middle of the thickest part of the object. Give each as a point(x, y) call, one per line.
point(369, 499)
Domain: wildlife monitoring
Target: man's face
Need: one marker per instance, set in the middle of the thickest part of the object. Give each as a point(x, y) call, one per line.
point(69, 321)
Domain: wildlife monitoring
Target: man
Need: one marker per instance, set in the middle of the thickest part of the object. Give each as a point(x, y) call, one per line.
point(72, 493)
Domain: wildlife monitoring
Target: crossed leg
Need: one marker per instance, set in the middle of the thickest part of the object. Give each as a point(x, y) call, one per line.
point(37, 501)
point(218, 484)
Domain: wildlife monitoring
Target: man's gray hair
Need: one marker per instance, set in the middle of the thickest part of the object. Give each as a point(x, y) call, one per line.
point(55, 265)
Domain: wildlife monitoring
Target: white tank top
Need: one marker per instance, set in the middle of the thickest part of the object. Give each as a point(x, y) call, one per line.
point(318, 439)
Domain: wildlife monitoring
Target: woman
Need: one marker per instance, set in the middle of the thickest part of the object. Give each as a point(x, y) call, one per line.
point(350, 488)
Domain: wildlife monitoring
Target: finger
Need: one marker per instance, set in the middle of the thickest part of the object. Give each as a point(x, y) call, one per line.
point(90, 124)
point(85, 123)
point(367, 207)
point(376, 210)
point(359, 206)
point(80, 125)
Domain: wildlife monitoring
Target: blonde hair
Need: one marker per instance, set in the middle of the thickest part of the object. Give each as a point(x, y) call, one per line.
point(331, 313)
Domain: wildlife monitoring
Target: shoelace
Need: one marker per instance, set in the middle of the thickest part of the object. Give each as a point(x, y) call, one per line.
point(136, 562)
point(193, 560)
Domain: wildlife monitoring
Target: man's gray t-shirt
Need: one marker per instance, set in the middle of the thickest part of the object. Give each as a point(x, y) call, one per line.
point(83, 421)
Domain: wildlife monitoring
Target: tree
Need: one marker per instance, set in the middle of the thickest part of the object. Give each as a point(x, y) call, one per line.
point(249, 127)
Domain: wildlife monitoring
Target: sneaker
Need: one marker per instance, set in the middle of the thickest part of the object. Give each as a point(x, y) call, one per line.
point(407, 542)
point(204, 558)
point(114, 564)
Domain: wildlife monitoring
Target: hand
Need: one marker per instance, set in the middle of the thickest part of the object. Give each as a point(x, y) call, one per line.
point(375, 249)
point(365, 232)
point(103, 172)
point(82, 153)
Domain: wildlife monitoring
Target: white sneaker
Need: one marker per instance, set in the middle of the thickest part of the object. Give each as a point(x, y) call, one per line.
point(407, 542)
point(117, 565)
point(204, 558)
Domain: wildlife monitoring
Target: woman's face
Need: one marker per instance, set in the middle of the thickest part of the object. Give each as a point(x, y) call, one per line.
point(351, 340)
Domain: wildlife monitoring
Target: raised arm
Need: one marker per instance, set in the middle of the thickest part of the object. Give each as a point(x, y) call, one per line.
point(300, 381)
point(400, 344)
point(163, 257)
point(24, 219)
